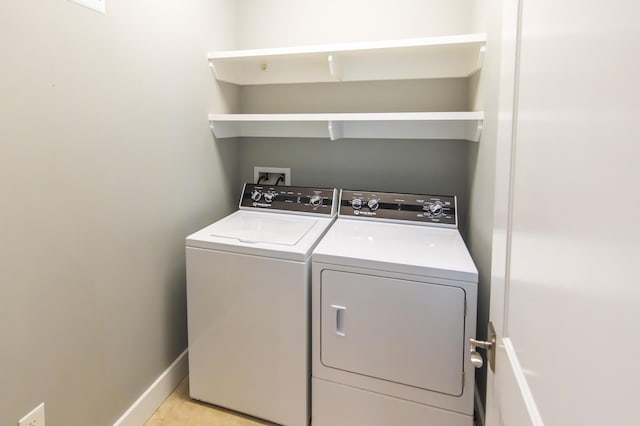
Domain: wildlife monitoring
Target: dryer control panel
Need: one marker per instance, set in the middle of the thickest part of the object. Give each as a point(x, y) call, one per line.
point(436, 210)
point(289, 198)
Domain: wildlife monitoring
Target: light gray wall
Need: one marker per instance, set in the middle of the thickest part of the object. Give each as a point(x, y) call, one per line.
point(380, 96)
point(106, 164)
point(482, 161)
point(397, 165)
point(404, 166)
point(273, 23)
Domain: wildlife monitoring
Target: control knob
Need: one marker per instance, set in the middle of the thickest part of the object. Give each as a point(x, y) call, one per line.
point(434, 209)
point(356, 204)
point(268, 197)
point(315, 200)
point(373, 204)
point(256, 195)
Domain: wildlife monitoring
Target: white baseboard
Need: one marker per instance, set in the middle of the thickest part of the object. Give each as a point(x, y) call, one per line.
point(154, 396)
point(479, 409)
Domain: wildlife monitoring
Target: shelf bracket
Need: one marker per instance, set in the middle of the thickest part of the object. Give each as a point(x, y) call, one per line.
point(473, 131)
point(335, 130)
point(222, 129)
point(480, 60)
point(335, 68)
point(213, 68)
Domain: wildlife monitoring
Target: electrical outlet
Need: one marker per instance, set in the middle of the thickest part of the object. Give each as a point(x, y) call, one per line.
point(272, 175)
point(34, 418)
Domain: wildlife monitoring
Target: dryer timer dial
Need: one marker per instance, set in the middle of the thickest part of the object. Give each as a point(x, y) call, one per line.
point(315, 200)
point(434, 209)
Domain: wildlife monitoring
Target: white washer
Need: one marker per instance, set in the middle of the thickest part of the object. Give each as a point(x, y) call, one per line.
point(248, 297)
point(394, 293)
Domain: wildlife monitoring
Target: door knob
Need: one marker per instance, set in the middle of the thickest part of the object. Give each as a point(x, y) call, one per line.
point(488, 345)
point(476, 360)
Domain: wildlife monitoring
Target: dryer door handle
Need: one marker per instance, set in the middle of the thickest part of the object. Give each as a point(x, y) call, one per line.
point(340, 319)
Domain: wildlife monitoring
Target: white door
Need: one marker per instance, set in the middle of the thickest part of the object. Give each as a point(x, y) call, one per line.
point(565, 286)
point(391, 328)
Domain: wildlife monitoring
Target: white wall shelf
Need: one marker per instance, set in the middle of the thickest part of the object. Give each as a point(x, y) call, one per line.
point(455, 56)
point(408, 125)
point(433, 57)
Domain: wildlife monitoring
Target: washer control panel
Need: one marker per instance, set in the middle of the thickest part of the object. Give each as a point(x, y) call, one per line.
point(289, 198)
point(439, 210)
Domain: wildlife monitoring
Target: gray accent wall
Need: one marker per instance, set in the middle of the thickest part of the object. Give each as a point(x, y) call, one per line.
point(107, 162)
point(412, 166)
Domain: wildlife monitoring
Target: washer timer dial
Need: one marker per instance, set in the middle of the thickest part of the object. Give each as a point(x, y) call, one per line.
point(373, 204)
point(256, 195)
point(269, 196)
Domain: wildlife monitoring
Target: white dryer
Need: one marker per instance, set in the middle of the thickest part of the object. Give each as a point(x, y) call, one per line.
point(248, 298)
point(394, 293)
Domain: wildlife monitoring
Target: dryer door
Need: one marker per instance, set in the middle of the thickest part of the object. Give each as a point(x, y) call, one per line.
point(407, 332)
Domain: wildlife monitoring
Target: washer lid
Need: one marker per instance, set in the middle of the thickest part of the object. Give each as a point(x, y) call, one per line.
point(274, 229)
point(282, 235)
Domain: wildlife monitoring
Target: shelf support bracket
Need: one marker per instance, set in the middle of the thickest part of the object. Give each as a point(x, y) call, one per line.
point(335, 68)
point(480, 57)
point(335, 130)
point(213, 68)
point(473, 131)
point(222, 129)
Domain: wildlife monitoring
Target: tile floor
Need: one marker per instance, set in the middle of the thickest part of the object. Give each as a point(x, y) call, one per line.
point(180, 410)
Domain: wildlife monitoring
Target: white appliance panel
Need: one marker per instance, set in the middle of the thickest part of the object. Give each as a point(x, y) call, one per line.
point(260, 228)
point(248, 324)
point(339, 405)
point(461, 404)
point(423, 250)
point(401, 331)
point(271, 234)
